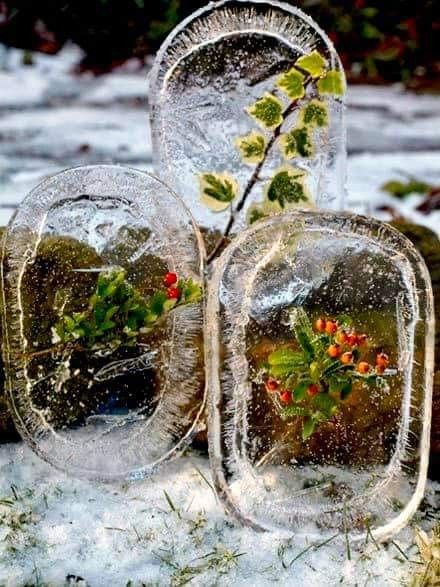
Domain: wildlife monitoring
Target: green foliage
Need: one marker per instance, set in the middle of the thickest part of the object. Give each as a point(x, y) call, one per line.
point(117, 313)
point(308, 366)
point(267, 111)
point(287, 187)
point(313, 63)
point(292, 84)
point(220, 188)
point(298, 141)
point(332, 83)
point(252, 147)
point(256, 214)
point(400, 189)
point(315, 113)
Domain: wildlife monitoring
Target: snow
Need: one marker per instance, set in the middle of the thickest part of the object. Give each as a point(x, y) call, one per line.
point(51, 119)
point(110, 535)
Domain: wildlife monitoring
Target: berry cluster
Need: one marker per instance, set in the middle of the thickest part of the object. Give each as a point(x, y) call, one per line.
point(314, 375)
point(345, 343)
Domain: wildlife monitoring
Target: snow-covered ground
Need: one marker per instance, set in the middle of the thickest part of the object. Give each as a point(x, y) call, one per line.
point(171, 529)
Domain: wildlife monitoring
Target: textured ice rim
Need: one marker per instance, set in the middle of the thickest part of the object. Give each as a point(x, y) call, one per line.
point(88, 474)
point(385, 235)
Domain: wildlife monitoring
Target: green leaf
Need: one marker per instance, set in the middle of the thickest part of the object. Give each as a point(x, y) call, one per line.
point(305, 344)
point(292, 84)
point(255, 214)
point(315, 113)
point(267, 111)
point(191, 290)
point(308, 428)
point(401, 189)
point(332, 83)
point(314, 63)
point(218, 190)
point(297, 142)
point(346, 389)
point(294, 411)
point(287, 187)
point(299, 393)
point(285, 356)
point(326, 404)
point(252, 147)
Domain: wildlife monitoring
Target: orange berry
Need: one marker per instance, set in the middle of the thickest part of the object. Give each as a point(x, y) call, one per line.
point(334, 351)
point(382, 360)
point(286, 397)
point(320, 325)
point(331, 327)
point(363, 367)
point(347, 358)
point(361, 339)
point(380, 370)
point(313, 390)
point(341, 337)
point(272, 385)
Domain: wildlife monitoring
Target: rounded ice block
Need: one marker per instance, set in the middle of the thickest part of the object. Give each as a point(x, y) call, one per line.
point(247, 114)
point(320, 373)
point(102, 270)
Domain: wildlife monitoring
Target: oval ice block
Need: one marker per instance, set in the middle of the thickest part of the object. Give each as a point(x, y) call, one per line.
point(102, 274)
point(320, 372)
point(247, 114)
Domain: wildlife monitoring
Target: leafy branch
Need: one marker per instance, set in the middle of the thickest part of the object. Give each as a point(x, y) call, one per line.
point(117, 313)
point(314, 376)
point(270, 113)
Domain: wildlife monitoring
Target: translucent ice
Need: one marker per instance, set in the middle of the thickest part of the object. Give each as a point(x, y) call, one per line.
point(103, 361)
point(320, 373)
point(247, 114)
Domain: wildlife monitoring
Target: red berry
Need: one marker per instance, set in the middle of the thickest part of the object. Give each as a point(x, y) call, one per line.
point(361, 339)
point(286, 397)
point(333, 351)
point(331, 327)
point(320, 325)
point(380, 370)
point(272, 385)
point(169, 279)
point(347, 358)
point(382, 360)
point(363, 367)
point(173, 293)
point(352, 339)
point(313, 390)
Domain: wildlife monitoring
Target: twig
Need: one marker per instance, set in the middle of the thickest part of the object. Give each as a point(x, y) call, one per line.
point(255, 176)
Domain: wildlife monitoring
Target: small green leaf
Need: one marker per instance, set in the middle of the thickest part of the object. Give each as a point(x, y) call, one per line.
point(315, 113)
point(332, 83)
point(305, 343)
point(308, 428)
point(294, 411)
point(314, 63)
point(255, 214)
point(346, 389)
point(292, 84)
point(217, 190)
point(326, 404)
point(297, 142)
point(285, 356)
point(299, 393)
point(287, 187)
point(252, 147)
point(267, 111)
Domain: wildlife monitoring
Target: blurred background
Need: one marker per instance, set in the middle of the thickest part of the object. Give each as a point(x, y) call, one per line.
point(378, 41)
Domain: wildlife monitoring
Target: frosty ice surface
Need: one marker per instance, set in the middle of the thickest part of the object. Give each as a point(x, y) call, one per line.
point(320, 373)
point(102, 278)
point(248, 114)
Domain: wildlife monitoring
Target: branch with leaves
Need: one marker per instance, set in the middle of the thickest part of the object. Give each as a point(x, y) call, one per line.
point(117, 314)
point(271, 113)
point(313, 377)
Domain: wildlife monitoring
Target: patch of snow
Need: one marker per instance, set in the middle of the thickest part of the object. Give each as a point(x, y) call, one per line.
point(165, 530)
point(117, 87)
